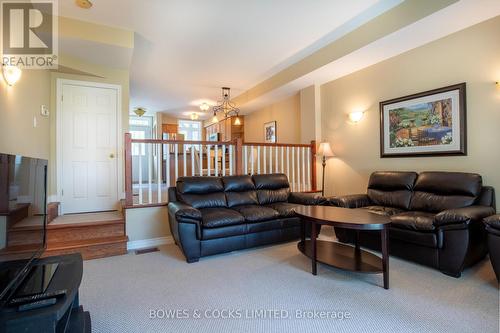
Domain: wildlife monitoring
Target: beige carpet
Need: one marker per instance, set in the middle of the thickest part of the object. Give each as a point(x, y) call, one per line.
point(120, 293)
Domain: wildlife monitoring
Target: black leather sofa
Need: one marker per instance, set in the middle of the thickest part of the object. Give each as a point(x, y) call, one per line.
point(210, 215)
point(436, 217)
point(493, 228)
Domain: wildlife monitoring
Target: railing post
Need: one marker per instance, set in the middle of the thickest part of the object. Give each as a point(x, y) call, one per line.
point(129, 200)
point(239, 156)
point(313, 165)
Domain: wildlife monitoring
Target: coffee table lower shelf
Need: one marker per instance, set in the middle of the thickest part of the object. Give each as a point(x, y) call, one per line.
point(343, 256)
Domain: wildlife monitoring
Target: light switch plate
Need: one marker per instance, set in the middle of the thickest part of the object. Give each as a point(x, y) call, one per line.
point(34, 122)
point(44, 111)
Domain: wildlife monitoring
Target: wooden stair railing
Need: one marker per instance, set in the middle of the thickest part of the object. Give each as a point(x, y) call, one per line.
point(152, 165)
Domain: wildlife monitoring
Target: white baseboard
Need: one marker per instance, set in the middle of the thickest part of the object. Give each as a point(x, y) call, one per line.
point(146, 243)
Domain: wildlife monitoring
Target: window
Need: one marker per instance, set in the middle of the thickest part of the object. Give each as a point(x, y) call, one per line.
point(140, 128)
point(191, 131)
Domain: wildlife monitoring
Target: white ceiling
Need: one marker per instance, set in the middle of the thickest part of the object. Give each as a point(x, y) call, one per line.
point(185, 50)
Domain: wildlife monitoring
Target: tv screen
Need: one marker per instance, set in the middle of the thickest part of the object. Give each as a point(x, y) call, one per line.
point(23, 183)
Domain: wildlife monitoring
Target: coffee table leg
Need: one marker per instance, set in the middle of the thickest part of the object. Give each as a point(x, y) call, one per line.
point(302, 231)
point(385, 257)
point(313, 245)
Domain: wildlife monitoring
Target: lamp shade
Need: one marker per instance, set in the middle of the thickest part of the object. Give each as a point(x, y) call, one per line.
point(325, 149)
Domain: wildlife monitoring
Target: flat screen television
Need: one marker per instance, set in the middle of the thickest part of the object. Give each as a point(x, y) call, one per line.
point(23, 193)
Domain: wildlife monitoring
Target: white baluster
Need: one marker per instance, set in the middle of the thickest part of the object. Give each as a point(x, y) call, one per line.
point(265, 159)
point(216, 159)
point(176, 164)
point(270, 159)
point(140, 173)
point(192, 159)
point(252, 160)
point(223, 160)
point(293, 169)
point(185, 160)
point(282, 160)
point(304, 181)
point(231, 160)
point(308, 155)
point(258, 160)
point(245, 160)
point(209, 161)
point(150, 173)
point(276, 158)
point(201, 160)
point(288, 163)
point(159, 167)
point(167, 166)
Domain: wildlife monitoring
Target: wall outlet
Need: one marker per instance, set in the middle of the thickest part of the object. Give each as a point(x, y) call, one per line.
point(44, 110)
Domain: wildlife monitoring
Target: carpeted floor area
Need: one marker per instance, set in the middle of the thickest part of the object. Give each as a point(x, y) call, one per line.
point(122, 293)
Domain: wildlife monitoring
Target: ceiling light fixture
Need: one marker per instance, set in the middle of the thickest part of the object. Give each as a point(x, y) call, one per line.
point(194, 116)
point(204, 107)
point(84, 4)
point(11, 74)
point(140, 111)
point(225, 105)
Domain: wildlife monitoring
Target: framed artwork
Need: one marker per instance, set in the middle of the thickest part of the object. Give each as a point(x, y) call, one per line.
point(430, 123)
point(270, 132)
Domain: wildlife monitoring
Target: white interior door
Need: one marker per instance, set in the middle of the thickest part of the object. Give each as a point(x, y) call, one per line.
point(89, 148)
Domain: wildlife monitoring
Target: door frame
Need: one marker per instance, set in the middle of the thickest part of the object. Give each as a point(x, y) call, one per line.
point(119, 137)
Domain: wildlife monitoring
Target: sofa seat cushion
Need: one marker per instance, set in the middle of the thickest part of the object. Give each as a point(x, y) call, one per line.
point(222, 232)
point(220, 217)
point(418, 221)
point(256, 213)
point(426, 239)
point(381, 210)
point(285, 209)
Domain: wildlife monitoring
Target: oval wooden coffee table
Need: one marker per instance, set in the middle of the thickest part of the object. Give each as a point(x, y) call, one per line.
point(339, 255)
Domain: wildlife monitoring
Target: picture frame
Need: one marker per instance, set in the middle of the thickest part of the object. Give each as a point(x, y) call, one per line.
point(270, 134)
point(430, 123)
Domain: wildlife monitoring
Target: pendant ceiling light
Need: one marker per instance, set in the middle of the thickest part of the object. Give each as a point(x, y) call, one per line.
point(227, 107)
point(140, 112)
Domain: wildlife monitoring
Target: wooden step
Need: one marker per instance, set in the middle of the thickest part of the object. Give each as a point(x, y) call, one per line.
point(90, 249)
point(84, 231)
point(52, 211)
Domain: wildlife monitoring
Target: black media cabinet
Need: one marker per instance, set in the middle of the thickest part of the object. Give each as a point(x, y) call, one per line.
point(65, 316)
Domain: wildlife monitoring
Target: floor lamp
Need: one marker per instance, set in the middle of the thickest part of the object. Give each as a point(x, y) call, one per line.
point(325, 151)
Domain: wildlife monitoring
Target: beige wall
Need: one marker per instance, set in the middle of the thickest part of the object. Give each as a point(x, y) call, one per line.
point(472, 56)
point(287, 116)
point(18, 105)
point(147, 223)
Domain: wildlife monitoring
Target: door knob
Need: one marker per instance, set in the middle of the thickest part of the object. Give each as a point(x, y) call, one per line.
point(111, 155)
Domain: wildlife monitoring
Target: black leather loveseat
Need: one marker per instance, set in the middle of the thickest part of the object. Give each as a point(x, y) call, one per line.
point(210, 215)
point(493, 228)
point(436, 217)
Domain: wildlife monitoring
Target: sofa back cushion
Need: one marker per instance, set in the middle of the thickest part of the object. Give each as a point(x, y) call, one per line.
point(438, 191)
point(391, 188)
point(201, 192)
point(271, 188)
point(240, 190)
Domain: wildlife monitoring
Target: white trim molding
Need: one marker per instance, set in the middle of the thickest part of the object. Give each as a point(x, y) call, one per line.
point(146, 243)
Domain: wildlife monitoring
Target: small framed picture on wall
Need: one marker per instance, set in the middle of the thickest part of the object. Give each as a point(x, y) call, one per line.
point(270, 132)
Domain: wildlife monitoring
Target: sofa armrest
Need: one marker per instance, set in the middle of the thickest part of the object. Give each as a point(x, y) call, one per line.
point(306, 198)
point(463, 216)
point(184, 213)
point(350, 201)
point(493, 223)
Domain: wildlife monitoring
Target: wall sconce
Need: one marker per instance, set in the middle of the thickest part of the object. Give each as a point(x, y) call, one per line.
point(356, 116)
point(11, 74)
